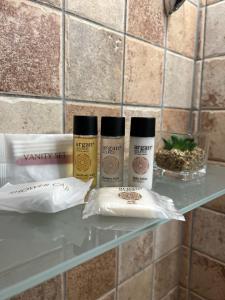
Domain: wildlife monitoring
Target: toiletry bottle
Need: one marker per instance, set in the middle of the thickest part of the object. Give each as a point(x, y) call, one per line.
point(112, 151)
point(142, 140)
point(85, 148)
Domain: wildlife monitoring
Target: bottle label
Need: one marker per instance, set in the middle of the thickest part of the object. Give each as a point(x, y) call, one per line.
point(112, 156)
point(85, 158)
point(141, 162)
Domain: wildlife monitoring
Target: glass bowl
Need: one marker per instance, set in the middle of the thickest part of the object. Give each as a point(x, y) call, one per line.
point(182, 156)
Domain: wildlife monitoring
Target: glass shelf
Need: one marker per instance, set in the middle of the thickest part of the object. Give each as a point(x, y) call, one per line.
point(36, 247)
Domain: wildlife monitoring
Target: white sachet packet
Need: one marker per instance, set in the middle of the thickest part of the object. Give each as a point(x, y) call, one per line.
point(46, 196)
point(130, 202)
point(35, 157)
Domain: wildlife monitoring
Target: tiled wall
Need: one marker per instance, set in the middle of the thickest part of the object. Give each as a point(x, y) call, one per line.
point(210, 79)
point(59, 58)
point(104, 57)
point(203, 250)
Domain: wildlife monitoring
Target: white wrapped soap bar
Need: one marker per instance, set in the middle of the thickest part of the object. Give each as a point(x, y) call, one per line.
point(130, 202)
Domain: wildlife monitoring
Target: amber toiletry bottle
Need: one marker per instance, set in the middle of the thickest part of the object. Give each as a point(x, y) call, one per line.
point(85, 131)
point(112, 151)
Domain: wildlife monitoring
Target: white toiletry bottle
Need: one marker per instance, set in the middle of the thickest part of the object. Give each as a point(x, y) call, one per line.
point(141, 155)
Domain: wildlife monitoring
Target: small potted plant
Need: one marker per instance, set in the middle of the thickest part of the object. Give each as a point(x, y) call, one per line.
point(182, 156)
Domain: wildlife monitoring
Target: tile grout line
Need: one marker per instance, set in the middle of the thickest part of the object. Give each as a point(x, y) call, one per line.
point(64, 283)
point(153, 263)
point(213, 211)
point(117, 273)
point(202, 253)
point(48, 5)
point(164, 72)
point(196, 48)
point(63, 67)
point(126, 104)
point(124, 57)
point(199, 296)
point(212, 109)
point(32, 97)
point(35, 97)
point(214, 4)
point(214, 56)
point(191, 254)
point(202, 68)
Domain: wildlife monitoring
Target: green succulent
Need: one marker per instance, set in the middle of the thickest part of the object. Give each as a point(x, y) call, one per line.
point(180, 143)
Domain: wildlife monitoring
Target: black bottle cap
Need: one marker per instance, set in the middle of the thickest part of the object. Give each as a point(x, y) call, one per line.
point(85, 125)
point(142, 127)
point(113, 126)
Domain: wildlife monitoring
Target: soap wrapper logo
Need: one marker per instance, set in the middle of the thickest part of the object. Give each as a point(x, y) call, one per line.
point(44, 159)
point(131, 197)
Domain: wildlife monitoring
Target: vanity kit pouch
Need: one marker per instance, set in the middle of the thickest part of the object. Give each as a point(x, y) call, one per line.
point(35, 157)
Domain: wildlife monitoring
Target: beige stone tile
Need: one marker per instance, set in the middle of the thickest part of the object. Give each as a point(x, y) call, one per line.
point(207, 277)
point(185, 254)
point(94, 58)
point(109, 13)
point(172, 295)
point(213, 123)
point(29, 49)
point(218, 204)
point(143, 73)
point(197, 84)
point(135, 255)
point(23, 115)
point(187, 229)
point(215, 30)
point(137, 287)
point(201, 33)
point(178, 81)
point(213, 90)
point(182, 294)
point(176, 120)
point(92, 279)
point(109, 296)
point(209, 233)
point(92, 109)
point(138, 111)
point(167, 237)
point(182, 27)
point(51, 290)
point(146, 20)
point(166, 275)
